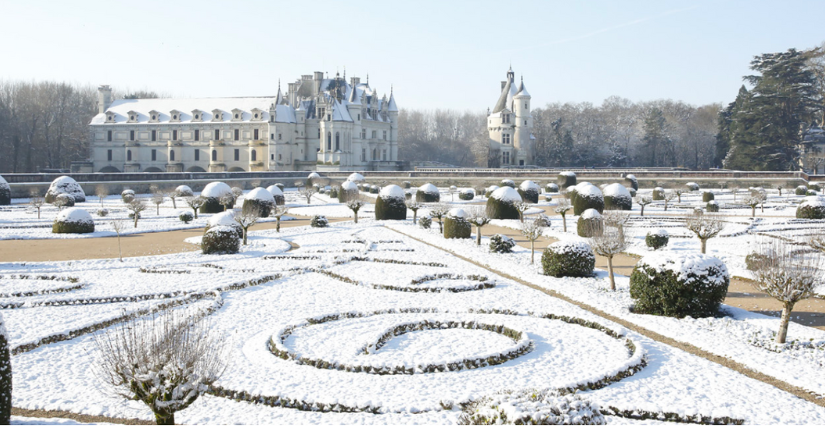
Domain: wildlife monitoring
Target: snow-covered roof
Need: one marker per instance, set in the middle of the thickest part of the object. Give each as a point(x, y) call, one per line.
point(74, 214)
point(340, 112)
point(143, 107)
point(216, 190)
point(392, 107)
point(522, 91)
point(688, 266)
point(260, 194)
point(392, 191)
point(285, 114)
point(505, 193)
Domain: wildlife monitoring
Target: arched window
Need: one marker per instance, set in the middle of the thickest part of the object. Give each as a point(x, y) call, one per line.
point(254, 155)
point(128, 155)
point(214, 155)
point(329, 141)
point(172, 155)
point(337, 141)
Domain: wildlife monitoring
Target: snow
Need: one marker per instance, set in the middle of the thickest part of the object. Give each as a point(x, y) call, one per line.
point(164, 106)
point(505, 193)
point(457, 213)
point(567, 174)
point(617, 190)
point(226, 218)
point(588, 190)
point(314, 175)
point(216, 190)
point(688, 266)
point(578, 248)
point(392, 191)
point(428, 188)
point(67, 185)
point(260, 194)
point(528, 185)
point(3, 182)
point(493, 188)
point(813, 201)
point(660, 232)
point(183, 190)
point(275, 191)
point(74, 214)
point(356, 177)
point(631, 177)
point(591, 214)
point(349, 186)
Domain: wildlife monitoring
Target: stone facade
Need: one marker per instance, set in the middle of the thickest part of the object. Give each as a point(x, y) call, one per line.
point(510, 126)
point(319, 123)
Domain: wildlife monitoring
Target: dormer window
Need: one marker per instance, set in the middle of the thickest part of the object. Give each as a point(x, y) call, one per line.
point(154, 116)
point(133, 116)
point(237, 115)
point(257, 114)
point(197, 115)
point(176, 115)
point(217, 115)
point(110, 117)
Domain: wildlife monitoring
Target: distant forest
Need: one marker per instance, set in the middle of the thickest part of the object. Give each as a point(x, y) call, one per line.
point(44, 125)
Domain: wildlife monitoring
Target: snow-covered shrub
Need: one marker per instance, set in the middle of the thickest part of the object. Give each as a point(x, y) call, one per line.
point(801, 190)
point(348, 191)
point(227, 219)
point(811, 208)
point(810, 192)
point(632, 181)
point(5, 192)
point(212, 194)
point(692, 186)
point(677, 285)
point(333, 192)
point(529, 191)
point(707, 196)
point(65, 185)
point(568, 259)
point(260, 199)
point(280, 186)
point(502, 203)
point(319, 221)
point(532, 407)
point(566, 179)
point(356, 177)
point(63, 200)
point(5, 374)
point(407, 184)
point(551, 188)
point(501, 244)
point(183, 191)
point(427, 193)
point(490, 190)
point(543, 220)
point(374, 189)
point(186, 217)
point(617, 197)
point(632, 192)
point(508, 182)
point(277, 194)
point(589, 224)
point(712, 206)
point(456, 224)
point(127, 196)
point(73, 221)
point(102, 212)
point(814, 187)
point(466, 194)
point(220, 240)
point(425, 222)
point(657, 239)
point(391, 204)
point(314, 176)
point(658, 193)
point(587, 196)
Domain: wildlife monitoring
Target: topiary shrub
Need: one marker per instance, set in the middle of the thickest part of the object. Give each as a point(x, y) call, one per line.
point(490, 190)
point(407, 184)
point(632, 192)
point(356, 177)
point(543, 220)
point(374, 189)
point(810, 192)
point(677, 285)
point(501, 244)
point(427, 193)
point(65, 185)
point(186, 217)
point(5, 192)
point(319, 221)
point(587, 196)
point(551, 188)
point(529, 191)
point(658, 194)
point(102, 212)
point(692, 186)
point(657, 239)
point(127, 196)
point(280, 186)
point(333, 192)
point(801, 190)
point(814, 187)
point(589, 224)
point(63, 200)
point(220, 240)
point(227, 219)
point(183, 191)
point(466, 194)
point(425, 222)
point(568, 259)
point(811, 208)
point(258, 199)
point(391, 204)
point(707, 196)
point(566, 179)
point(456, 224)
point(502, 203)
point(5, 374)
point(277, 194)
point(528, 407)
point(632, 182)
point(508, 182)
point(212, 194)
point(349, 191)
point(617, 197)
point(712, 207)
point(73, 221)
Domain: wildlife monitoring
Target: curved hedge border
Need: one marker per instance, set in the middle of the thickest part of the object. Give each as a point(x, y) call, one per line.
point(484, 283)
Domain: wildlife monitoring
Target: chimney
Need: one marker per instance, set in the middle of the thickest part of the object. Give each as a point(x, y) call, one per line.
point(104, 98)
point(354, 81)
point(319, 75)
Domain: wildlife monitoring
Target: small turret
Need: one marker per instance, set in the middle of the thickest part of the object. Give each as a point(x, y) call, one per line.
point(104, 98)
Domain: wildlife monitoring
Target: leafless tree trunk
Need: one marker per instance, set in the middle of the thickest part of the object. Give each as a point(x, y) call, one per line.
point(478, 217)
point(611, 241)
point(705, 226)
point(247, 218)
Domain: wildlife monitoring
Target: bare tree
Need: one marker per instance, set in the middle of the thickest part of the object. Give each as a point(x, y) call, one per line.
point(307, 192)
point(452, 190)
point(166, 361)
point(277, 213)
point(136, 206)
point(195, 203)
point(438, 211)
point(669, 196)
point(787, 277)
point(37, 204)
point(705, 227)
point(616, 219)
point(118, 226)
point(102, 191)
point(173, 195)
point(246, 218)
point(753, 202)
point(414, 205)
point(610, 242)
point(477, 216)
point(642, 201)
point(562, 209)
point(522, 207)
point(227, 200)
point(532, 230)
point(762, 195)
point(679, 193)
point(157, 200)
point(355, 204)
point(237, 192)
point(780, 187)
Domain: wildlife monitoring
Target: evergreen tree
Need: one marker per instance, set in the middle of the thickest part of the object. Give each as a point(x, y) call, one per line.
point(655, 142)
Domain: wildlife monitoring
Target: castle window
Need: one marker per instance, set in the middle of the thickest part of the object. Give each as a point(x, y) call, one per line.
point(129, 155)
point(525, 104)
point(154, 117)
point(197, 155)
point(174, 135)
point(237, 134)
point(217, 134)
point(363, 154)
point(214, 155)
point(279, 156)
point(384, 154)
point(109, 136)
point(363, 133)
point(505, 138)
point(525, 122)
point(109, 155)
point(255, 134)
point(374, 134)
point(197, 117)
point(319, 133)
point(505, 158)
point(175, 117)
point(237, 154)
point(236, 116)
point(131, 135)
point(254, 155)
point(272, 136)
point(272, 157)
point(197, 135)
point(337, 141)
point(329, 141)
point(172, 155)
point(385, 135)
point(154, 155)
point(154, 135)
point(279, 136)
point(256, 115)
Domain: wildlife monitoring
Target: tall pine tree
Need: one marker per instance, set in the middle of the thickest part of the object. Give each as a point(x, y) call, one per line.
point(655, 142)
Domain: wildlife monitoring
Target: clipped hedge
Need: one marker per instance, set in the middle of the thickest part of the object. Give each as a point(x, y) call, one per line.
point(319, 221)
point(617, 197)
point(456, 225)
point(5, 192)
point(466, 194)
point(692, 186)
point(73, 227)
point(801, 190)
point(508, 182)
point(427, 193)
point(568, 259)
point(551, 188)
point(658, 194)
point(502, 208)
point(501, 244)
point(263, 207)
point(127, 196)
point(708, 196)
point(632, 181)
point(712, 207)
point(811, 209)
point(390, 208)
point(529, 191)
point(220, 240)
point(589, 224)
point(566, 179)
point(587, 197)
point(657, 239)
point(186, 217)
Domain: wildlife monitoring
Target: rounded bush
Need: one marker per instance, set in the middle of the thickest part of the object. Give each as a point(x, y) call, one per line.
point(712, 207)
point(632, 182)
point(617, 197)
point(811, 208)
point(5, 192)
point(810, 192)
point(333, 192)
point(63, 200)
point(186, 217)
point(319, 221)
point(407, 184)
point(102, 212)
point(568, 259)
point(543, 220)
point(508, 182)
point(658, 193)
point(184, 191)
point(587, 196)
point(427, 193)
point(356, 177)
point(551, 188)
point(425, 222)
point(456, 224)
point(212, 194)
point(490, 190)
point(566, 179)
point(466, 194)
point(349, 191)
point(677, 285)
point(814, 187)
point(280, 186)
point(226, 219)
point(391, 204)
point(632, 192)
point(127, 196)
point(589, 224)
point(65, 185)
point(801, 190)
point(657, 239)
point(692, 186)
point(529, 191)
point(73, 221)
point(501, 244)
point(707, 196)
point(374, 189)
point(220, 240)
point(502, 203)
point(260, 199)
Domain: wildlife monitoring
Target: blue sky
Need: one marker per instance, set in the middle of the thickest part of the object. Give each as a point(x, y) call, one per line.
point(436, 54)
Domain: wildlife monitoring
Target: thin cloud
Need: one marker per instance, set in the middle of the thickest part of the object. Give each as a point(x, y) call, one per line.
point(604, 30)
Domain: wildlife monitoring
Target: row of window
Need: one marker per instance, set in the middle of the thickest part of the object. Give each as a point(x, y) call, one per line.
point(252, 154)
point(236, 133)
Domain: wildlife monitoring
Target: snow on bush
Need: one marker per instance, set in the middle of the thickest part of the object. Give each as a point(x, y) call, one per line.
point(678, 285)
point(533, 407)
point(587, 196)
point(127, 196)
point(277, 194)
point(427, 193)
point(617, 197)
point(102, 212)
point(589, 224)
point(349, 191)
point(183, 191)
point(692, 186)
point(811, 208)
point(551, 188)
point(502, 203)
point(566, 179)
point(313, 175)
point(529, 191)
point(456, 224)
point(5, 374)
point(319, 221)
point(220, 240)
point(390, 204)
point(466, 194)
point(5, 192)
point(801, 190)
point(356, 177)
point(707, 196)
point(568, 259)
point(65, 185)
point(425, 222)
point(712, 206)
point(186, 217)
point(501, 244)
point(490, 190)
point(227, 219)
point(374, 189)
point(73, 221)
point(658, 193)
point(657, 239)
point(508, 182)
point(212, 194)
point(634, 183)
point(259, 199)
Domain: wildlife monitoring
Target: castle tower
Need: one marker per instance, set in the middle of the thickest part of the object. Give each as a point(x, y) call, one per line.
point(523, 126)
point(104, 98)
